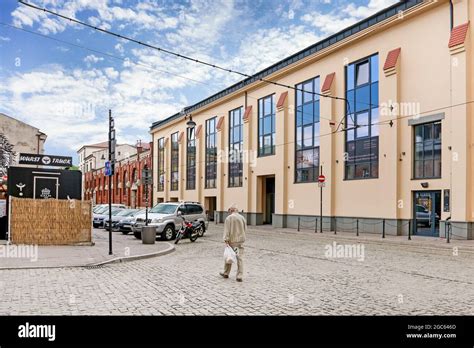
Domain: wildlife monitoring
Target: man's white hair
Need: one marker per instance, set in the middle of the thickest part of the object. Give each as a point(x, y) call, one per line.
point(233, 207)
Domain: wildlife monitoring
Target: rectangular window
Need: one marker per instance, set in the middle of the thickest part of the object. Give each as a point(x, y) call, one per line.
point(174, 162)
point(266, 126)
point(191, 159)
point(236, 144)
point(161, 164)
point(362, 135)
point(211, 153)
point(427, 150)
point(307, 131)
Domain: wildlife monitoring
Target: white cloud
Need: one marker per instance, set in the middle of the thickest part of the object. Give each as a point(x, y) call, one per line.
point(91, 58)
point(4, 38)
point(338, 19)
point(69, 105)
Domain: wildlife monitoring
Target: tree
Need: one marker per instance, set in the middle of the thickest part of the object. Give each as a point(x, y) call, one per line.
point(7, 155)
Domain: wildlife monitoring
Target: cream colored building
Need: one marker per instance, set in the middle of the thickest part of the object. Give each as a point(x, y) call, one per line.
point(400, 155)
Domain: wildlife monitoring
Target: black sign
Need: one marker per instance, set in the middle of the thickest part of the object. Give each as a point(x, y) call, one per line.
point(44, 183)
point(45, 160)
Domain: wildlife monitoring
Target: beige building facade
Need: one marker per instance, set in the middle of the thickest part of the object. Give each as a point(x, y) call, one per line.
point(383, 109)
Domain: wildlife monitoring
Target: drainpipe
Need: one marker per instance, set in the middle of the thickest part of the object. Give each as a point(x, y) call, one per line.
point(451, 14)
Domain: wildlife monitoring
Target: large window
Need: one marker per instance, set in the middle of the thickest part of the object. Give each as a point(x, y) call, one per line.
point(266, 126)
point(235, 147)
point(307, 131)
point(161, 164)
point(174, 162)
point(211, 153)
point(191, 159)
point(427, 151)
point(362, 132)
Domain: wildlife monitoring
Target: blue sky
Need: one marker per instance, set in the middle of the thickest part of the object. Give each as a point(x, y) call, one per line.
point(62, 78)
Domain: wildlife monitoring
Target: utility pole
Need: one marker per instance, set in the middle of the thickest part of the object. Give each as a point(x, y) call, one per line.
point(109, 171)
point(146, 182)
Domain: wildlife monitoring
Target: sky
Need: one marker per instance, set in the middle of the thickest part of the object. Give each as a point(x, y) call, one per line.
point(63, 78)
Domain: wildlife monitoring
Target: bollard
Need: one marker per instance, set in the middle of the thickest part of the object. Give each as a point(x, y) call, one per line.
point(357, 228)
point(298, 223)
point(316, 226)
point(335, 225)
point(409, 229)
point(383, 229)
point(449, 230)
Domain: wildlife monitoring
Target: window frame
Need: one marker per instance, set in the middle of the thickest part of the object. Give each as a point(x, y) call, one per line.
point(414, 142)
point(373, 112)
point(161, 164)
point(230, 172)
point(174, 156)
point(210, 183)
point(262, 116)
point(190, 170)
point(316, 169)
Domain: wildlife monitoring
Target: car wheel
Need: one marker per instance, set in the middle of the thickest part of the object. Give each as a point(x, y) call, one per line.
point(168, 233)
point(138, 235)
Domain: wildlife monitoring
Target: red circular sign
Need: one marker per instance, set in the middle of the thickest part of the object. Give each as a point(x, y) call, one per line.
point(321, 178)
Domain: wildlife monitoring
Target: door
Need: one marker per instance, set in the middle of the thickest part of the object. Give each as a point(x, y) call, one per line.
point(427, 213)
point(45, 187)
point(269, 199)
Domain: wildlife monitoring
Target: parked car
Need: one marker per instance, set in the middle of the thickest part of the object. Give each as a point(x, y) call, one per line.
point(101, 207)
point(126, 223)
point(164, 216)
point(116, 218)
point(99, 218)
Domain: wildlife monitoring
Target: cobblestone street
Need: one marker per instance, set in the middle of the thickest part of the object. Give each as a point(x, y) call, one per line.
point(285, 274)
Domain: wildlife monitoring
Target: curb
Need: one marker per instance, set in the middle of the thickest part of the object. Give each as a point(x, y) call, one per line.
point(170, 249)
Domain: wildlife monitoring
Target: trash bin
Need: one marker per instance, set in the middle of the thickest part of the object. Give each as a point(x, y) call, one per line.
point(148, 234)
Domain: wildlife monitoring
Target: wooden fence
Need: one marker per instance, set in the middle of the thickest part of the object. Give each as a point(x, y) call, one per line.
point(50, 222)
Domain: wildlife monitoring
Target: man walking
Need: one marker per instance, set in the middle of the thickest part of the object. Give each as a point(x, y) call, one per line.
point(235, 228)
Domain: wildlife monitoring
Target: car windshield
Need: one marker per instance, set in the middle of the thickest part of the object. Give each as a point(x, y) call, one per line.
point(100, 210)
point(164, 208)
point(126, 212)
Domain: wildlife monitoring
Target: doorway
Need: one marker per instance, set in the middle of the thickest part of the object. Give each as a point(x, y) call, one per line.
point(269, 199)
point(210, 205)
point(427, 213)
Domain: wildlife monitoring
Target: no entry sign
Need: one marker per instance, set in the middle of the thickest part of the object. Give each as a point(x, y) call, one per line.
point(321, 178)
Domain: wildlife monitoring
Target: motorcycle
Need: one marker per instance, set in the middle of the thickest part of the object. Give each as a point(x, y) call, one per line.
point(188, 229)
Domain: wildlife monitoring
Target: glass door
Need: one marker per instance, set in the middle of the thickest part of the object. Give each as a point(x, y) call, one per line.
point(427, 212)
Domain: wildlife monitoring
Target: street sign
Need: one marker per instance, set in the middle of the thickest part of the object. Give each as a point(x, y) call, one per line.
point(321, 184)
point(108, 169)
point(321, 178)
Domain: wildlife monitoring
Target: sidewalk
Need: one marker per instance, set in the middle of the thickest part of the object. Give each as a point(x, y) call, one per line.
point(416, 241)
point(124, 247)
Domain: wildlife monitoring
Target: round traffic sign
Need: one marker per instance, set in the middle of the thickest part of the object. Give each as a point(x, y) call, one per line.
point(321, 178)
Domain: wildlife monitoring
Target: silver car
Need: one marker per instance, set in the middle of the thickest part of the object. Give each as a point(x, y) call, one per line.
point(164, 216)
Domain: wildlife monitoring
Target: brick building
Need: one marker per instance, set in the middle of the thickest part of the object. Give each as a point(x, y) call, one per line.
point(126, 182)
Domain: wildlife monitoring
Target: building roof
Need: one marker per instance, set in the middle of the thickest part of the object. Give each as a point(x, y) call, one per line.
point(323, 44)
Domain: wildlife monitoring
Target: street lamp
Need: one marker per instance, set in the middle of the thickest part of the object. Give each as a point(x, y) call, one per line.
point(191, 123)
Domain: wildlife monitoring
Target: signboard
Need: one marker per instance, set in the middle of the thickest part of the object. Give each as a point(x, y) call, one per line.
point(321, 184)
point(321, 178)
point(45, 160)
point(108, 169)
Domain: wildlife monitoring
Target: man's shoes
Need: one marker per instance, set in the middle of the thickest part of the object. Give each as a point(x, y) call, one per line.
point(239, 279)
point(223, 275)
